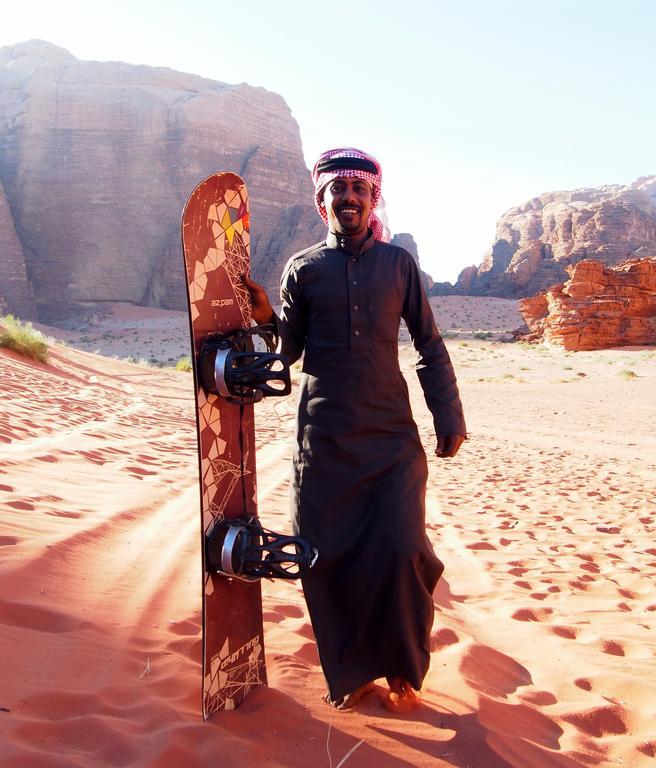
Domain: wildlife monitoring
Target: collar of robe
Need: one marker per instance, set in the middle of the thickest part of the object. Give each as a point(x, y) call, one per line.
point(341, 242)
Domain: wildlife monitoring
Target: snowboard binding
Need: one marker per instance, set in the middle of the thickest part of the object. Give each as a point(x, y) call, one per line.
point(243, 549)
point(229, 366)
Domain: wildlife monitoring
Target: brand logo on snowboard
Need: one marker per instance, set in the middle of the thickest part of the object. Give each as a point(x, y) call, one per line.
point(222, 302)
point(231, 658)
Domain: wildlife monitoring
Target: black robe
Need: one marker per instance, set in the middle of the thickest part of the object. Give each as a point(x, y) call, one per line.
point(359, 469)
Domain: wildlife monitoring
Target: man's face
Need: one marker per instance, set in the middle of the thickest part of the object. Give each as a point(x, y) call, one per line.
point(348, 204)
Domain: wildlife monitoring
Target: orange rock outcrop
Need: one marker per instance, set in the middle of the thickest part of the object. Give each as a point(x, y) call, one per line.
point(536, 242)
point(597, 308)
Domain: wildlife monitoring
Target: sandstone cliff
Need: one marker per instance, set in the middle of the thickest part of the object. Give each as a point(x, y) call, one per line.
point(598, 307)
point(536, 242)
point(406, 241)
point(15, 289)
point(97, 159)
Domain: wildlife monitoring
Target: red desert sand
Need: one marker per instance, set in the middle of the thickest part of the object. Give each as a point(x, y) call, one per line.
point(543, 650)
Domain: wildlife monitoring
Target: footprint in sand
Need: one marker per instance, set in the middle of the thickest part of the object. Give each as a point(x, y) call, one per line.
point(539, 698)
point(491, 672)
point(628, 594)
point(443, 638)
point(64, 513)
point(611, 720)
point(186, 628)
point(517, 571)
point(308, 653)
point(291, 611)
point(93, 456)
point(519, 721)
point(138, 472)
point(648, 748)
point(590, 567)
point(578, 584)
point(482, 545)
point(532, 614)
point(20, 505)
point(189, 647)
point(571, 633)
point(288, 666)
point(612, 647)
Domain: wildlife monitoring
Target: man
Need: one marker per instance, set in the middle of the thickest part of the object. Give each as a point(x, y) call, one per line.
point(360, 471)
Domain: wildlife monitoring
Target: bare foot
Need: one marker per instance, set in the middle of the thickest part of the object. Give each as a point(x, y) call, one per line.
point(351, 699)
point(402, 697)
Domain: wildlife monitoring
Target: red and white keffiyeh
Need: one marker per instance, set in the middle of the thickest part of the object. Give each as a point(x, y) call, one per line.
point(321, 177)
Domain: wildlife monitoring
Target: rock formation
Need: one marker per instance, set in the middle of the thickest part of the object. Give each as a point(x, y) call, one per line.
point(536, 242)
point(598, 307)
point(406, 240)
point(97, 159)
point(15, 293)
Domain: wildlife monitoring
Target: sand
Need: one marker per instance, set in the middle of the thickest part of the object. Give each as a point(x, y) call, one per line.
point(160, 336)
point(543, 651)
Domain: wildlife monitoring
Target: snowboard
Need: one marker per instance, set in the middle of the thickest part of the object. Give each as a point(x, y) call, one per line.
point(216, 245)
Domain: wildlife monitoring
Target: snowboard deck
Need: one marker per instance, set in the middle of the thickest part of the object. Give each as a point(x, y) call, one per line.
point(216, 245)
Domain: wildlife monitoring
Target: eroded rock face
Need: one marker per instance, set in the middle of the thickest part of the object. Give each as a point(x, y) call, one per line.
point(406, 241)
point(15, 288)
point(598, 307)
point(536, 242)
point(97, 160)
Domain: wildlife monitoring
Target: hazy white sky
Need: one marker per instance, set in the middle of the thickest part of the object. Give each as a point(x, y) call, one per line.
point(471, 106)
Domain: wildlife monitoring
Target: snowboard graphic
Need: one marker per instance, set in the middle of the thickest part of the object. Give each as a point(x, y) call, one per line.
point(216, 245)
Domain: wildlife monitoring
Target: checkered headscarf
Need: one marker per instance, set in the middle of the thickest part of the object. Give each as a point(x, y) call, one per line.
point(357, 164)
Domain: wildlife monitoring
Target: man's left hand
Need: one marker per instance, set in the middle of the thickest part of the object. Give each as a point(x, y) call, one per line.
point(448, 445)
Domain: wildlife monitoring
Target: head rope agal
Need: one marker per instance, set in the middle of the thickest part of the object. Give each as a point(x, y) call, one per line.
point(241, 548)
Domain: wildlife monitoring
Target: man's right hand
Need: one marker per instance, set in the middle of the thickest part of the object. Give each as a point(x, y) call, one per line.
point(262, 309)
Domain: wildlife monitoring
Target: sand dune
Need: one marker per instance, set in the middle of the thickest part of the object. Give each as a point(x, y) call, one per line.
point(543, 649)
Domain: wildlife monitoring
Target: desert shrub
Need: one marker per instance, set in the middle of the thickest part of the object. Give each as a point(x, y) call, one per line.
point(183, 364)
point(23, 338)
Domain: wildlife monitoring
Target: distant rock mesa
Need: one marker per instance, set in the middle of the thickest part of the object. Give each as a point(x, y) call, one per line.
point(406, 241)
point(598, 307)
point(536, 242)
point(96, 161)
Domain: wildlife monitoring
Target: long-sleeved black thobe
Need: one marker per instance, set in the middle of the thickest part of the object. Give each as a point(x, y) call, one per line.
point(359, 469)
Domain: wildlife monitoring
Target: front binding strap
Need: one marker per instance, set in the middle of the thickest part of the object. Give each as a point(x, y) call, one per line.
point(229, 366)
point(243, 549)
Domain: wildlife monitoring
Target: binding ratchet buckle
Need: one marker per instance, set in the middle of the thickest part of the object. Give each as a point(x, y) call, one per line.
point(229, 366)
point(245, 550)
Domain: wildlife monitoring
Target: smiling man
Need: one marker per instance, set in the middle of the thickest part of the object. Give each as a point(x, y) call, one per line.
point(359, 469)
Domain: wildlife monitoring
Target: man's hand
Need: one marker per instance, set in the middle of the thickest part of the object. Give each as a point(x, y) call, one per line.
point(448, 445)
point(262, 309)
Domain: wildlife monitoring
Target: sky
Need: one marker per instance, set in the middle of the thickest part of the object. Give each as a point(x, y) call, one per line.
point(472, 107)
